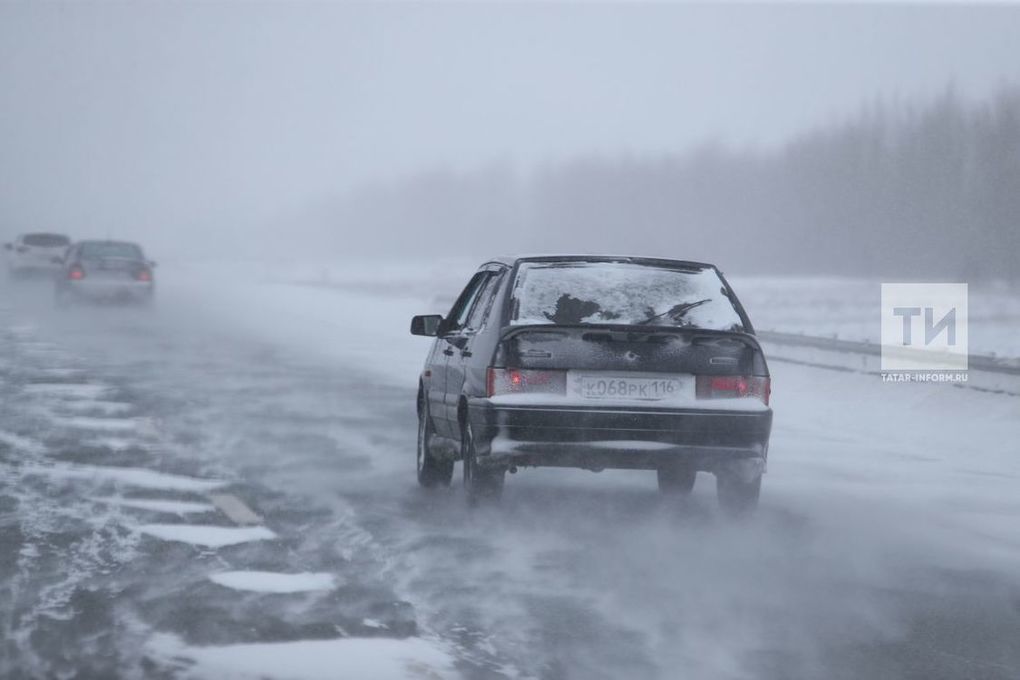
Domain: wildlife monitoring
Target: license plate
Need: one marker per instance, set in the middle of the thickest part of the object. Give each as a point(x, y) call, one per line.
point(630, 387)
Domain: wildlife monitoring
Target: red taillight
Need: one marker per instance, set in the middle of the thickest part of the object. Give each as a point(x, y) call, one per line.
point(732, 386)
point(519, 380)
point(143, 275)
point(76, 273)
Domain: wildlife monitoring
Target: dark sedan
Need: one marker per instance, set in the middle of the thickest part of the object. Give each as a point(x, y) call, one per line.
point(595, 362)
point(105, 271)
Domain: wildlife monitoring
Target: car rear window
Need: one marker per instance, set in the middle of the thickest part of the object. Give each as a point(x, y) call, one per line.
point(91, 250)
point(46, 240)
point(621, 293)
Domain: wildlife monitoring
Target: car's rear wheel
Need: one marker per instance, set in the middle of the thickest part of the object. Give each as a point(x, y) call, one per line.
point(431, 472)
point(677, 479)
point(737, 497)
point(481, 483)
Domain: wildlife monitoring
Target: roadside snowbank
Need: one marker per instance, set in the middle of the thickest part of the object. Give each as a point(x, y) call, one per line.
point(364, 293)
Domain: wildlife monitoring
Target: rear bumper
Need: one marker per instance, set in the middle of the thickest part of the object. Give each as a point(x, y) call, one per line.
point(110, 291)
point(614, 437)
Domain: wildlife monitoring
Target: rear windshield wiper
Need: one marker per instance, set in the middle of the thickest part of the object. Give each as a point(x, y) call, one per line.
point(676, 312)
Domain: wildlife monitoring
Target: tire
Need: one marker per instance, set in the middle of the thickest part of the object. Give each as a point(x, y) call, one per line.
point(431, 472)
point(481, 484)
point(737, 498)
point(677, 479)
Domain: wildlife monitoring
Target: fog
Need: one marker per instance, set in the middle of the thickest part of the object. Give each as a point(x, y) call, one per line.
point(206, 464)
point(225, 128)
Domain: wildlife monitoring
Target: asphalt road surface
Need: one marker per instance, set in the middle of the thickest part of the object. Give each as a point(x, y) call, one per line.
point(179, 498)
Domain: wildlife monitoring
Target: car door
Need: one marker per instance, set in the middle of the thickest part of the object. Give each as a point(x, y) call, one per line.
point(463, 342)
point(434, 383)
point(448, 345)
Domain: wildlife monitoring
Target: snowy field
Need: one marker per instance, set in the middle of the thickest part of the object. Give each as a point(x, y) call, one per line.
point(886, 544)
point(844, 308)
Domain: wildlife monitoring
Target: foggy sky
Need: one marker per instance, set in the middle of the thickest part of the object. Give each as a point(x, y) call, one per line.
point(203, 123)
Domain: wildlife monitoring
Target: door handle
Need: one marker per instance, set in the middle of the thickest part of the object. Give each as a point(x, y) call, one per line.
point(448, 352)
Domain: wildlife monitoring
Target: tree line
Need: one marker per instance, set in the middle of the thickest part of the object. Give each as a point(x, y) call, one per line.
point(901, 190)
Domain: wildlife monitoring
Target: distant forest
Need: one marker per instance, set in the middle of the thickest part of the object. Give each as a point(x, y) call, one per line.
point(901, 190)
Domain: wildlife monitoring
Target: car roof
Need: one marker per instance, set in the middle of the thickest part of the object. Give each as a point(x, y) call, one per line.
point(107, 242)
point(42, 233)
point(511, 260)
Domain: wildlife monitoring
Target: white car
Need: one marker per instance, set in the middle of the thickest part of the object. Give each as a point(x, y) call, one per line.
point(40, 253)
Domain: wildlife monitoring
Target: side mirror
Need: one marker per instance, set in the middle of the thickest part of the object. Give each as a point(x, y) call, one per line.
point(426, 324)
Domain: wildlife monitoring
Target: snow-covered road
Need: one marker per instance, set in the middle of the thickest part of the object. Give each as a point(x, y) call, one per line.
point(886, 545)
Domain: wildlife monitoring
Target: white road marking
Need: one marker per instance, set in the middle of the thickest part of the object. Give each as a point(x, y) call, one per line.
point(274, 582)
point(207, 535)
point(96, 424)
point(68, 390)
point(61, 372)
point(375, 657)
point(112, 443)
point(234, 508)
point(109, 408)
point(16, 441)
point(128, 476)
point(169, 507)
point(148, 427)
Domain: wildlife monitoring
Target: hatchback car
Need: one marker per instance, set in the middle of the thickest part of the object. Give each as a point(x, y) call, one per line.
point(595, 362)
point(106, 271)
point(39, 253)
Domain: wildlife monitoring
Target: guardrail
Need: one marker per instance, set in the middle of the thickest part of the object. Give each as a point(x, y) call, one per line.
point(984, 372)
point(976, 362)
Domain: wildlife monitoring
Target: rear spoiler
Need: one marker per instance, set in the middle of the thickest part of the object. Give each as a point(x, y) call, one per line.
point(747, 338)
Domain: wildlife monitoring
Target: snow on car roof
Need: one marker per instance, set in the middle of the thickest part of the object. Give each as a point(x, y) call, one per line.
point(510, 260)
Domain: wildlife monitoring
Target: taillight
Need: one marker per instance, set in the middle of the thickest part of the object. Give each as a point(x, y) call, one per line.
point(76, 273)
point(520, 380)
point(733, 386)
point(143, 275)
